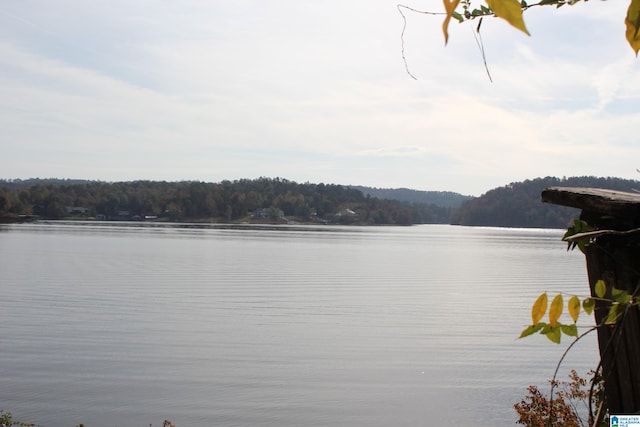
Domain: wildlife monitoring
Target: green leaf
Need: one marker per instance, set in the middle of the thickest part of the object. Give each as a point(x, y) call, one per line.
point(531, 329)
point(579, 226)
point(574, 308)
point(509, 10)
point(615, 312)
point(539, 308)
point(571, 330)
point(457, 16)
point(620, 295)
point(554, 334)
point(582, 245)
point(600, 288)
point(588, 305)
point(555, 310)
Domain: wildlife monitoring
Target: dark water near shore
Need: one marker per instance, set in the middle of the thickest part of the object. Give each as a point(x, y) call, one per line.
point(117, 325)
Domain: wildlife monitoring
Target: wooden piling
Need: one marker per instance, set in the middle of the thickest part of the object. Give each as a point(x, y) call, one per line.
point(613, 255)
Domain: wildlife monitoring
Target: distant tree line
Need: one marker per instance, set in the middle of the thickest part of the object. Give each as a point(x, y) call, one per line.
point(514, 205)
point(447, 199)
point(225, 201)
point(518, 204)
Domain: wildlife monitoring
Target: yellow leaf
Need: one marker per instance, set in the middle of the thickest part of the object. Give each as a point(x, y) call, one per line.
point(574, 307)
point(449, 7)
point(632, 21)
point(510, 11)
point(539, 308)
point(555, 310)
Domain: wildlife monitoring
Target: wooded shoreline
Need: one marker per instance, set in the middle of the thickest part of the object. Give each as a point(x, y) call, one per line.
point(280, 201)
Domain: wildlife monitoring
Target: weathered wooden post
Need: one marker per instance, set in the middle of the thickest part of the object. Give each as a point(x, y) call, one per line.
point(613, 256)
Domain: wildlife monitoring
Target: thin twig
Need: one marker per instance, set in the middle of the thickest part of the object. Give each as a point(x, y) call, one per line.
point(598, 233)
point(404, 27)
point(423, 12)
point(478, 37)
point(555, 374)
point(593, 420)
point(467, 17)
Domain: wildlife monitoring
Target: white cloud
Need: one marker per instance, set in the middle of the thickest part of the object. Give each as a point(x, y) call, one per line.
point(199, 90)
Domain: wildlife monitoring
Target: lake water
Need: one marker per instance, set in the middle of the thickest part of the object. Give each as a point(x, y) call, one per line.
point(113, 324)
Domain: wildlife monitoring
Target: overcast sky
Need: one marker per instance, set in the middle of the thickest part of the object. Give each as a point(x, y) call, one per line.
point(314, 91)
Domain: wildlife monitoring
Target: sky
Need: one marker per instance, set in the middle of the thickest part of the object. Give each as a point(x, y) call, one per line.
point(314, 92)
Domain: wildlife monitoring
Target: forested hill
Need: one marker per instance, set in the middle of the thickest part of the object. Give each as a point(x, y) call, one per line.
point(16, 184)
point(518, 204)
point(279, 200)
point(447, 199)
point(264, 199)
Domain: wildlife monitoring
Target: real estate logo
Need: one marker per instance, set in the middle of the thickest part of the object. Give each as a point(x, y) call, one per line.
point(624, 421)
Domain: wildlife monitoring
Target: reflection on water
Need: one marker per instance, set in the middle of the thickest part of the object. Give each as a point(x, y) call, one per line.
point(115, 323)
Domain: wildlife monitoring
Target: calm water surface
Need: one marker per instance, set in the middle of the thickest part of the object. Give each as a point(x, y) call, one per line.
point(122, 325)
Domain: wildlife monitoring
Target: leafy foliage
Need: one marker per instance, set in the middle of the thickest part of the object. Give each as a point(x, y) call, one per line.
point(511, 11)
point(619, 301)
point(576, 228)
point(6, 420)
point(538, 410)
